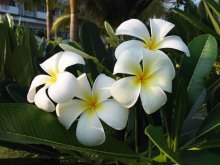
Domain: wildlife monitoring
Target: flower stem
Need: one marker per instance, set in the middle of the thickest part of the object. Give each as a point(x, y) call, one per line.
point(103, 68)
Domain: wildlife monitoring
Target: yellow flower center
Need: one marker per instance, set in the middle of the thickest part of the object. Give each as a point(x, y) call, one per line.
point(141, 78)
point(151, 44)
point(53, 78)
point(92, 103)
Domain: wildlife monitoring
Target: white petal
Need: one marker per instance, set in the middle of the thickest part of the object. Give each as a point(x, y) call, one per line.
point(42, 101)
point(51, 64)
point(68, 112)
point(84, 90)
point(37, 81)
point(162, 78)
point(174, 42)
point(127, 64)
point(64, 88)
point(89, 129)
point(152, 99)
point(159, 29)
point(113, 114)
point(135, 28)
point(69, 58)
point(133, 46)
point(153, 62)
point(126, 91)
point(102, 86)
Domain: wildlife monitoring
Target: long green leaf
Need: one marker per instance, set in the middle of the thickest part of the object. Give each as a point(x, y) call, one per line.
point(214, 22)
point(3, 42)
point(204, 157)
point(207, 144)
point(209, 126)
point(203, 51)
point(179, 111)
point(26, 124)
point(214, 6)
point(196, 22)
point(211, 122)
point(21, 66)
point(157, 137)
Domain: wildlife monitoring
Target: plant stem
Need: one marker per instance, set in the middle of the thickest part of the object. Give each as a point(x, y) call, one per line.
point(151, 122)
point(103, 68)
point(167, 128)
point(136, 132)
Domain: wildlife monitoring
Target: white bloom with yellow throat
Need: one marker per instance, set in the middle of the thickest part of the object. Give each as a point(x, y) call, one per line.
point(92, 105)
point(148, 78)
point(157, 40)
point(59, 84)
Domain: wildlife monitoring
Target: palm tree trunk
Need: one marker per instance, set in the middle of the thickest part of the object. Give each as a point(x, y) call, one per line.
point(48, 23)
point(73, 21)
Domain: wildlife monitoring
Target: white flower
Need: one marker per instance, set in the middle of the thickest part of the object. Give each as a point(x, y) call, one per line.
point(157, 40)
point(149, 80)
point(92, 105)
point(60, 84)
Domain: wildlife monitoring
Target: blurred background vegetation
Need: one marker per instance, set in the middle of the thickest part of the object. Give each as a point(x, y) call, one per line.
point(22, 48)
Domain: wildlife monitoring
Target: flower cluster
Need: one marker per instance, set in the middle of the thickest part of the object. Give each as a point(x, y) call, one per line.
point(149, 73)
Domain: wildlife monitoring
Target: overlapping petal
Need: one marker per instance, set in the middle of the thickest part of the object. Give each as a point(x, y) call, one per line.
point(84, 90)
point(159, 29)
point(174, 42)
point(89, 129)
point(69, 58)
point(153, 62)
point(133, 27)
point(37, 81)
point(152, 99)
point(64, 88)
point(42, 101)
point(68, 112)
point(127, 64)
point(101, 87)
point(131, 46)
point(113, 114)
point(51, 64)
point(126, 91)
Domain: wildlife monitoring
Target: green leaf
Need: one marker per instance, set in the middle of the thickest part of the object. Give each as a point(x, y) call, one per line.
point(21, 66)
point(194, 69)
point(212, 121)
point(207, 144)
point(27, 124)
point(179, 111)
point(201, 158)
point(110, 30)
point(3, 42)
point(214, 22)
point(214, 6)
point(93, 45)
point(157, 137)
point(18, 92)
point(91, 41)
point(196, 22)
point(209, 128)
point(75, 50)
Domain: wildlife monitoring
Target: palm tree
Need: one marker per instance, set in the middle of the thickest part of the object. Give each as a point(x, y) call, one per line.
point(73, 21)
point(98, 11)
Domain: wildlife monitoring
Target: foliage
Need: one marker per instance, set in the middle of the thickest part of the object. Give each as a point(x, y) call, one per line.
point(184, 131)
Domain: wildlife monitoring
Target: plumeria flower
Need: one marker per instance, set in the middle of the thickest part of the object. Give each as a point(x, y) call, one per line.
point(92, 104)
point(59, 83)
point(148, 80)
point(157, 40)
